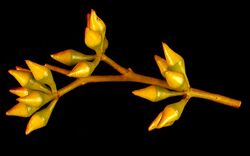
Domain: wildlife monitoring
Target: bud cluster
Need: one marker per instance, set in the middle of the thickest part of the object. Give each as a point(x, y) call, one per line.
point(37, 89)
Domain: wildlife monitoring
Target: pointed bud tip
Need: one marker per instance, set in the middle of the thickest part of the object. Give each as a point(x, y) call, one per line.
point(136, 92)
point(70, 74)
point(17, 110)
point(82, 69)
point(52, 55)
point(92, 12)
point(7, 113)
point(11, 71)
point(74, 74)
point(60, 56)
point(163, 44)
point(156, 57)
point(27, 131)
point(12, 90)
point(56, 56)
point(12, 112)
point(28, 61)
point(19, 91)
point(149, 93)
point(162, 64)
point(151, 127)
point(36, 122)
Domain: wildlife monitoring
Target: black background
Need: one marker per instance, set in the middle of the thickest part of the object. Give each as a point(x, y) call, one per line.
point(212, 37)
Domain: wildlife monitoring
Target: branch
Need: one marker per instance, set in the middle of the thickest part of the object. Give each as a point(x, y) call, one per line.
point(130, 76)
point(38, 86)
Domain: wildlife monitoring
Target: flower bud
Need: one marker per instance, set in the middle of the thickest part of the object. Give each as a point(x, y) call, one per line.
point(26, 80)
point(174, 60)
point(20, 91)
point(176, 81)
point(82, 69)
point(95, 33)
point(162, 64)
point(21, 110)
point(169, 115)
point(35, 99)
point(92, 39)
point(95, 23)
point(42, 74)
point(154, 124)
point(71, 57)
point(40, 118)
point(155, 93)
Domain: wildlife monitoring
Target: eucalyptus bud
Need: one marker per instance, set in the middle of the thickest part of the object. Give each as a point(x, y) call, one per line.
point(20, 91)
point(155, 93)
point(82, 69)
point(176, 81)
point(35, 99)
point(21, 110)
point(40, 118)
point(42, 74)
point(162, 64)
point(154, 124)
point(71, 57)
point(169, 115)
point(174, 60)
point(26, 80)
point(95, 32)
point(95, 23)
point(93, 39)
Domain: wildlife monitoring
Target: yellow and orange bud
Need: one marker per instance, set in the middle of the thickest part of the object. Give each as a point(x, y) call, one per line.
point(162, 64)
point(95, 23)
point(21, 110)
point(155, 93)
point(95, 33)
point(42, 74)
point(82, 69)
point(71, 57)
point(92, 39)
point(174, 60)
point(20, 91)
point(176, 81)
point(35, 99)
point(169, 115)
point(26, 80)
point(154, 124)
point(23, 77)
point(40, 118)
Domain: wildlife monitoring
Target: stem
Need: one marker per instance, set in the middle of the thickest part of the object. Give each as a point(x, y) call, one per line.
point(110, 78)
point(113, 64)
point(69, 87)
point(215, 97)
point(57, 69)
point(127, 75)
point(147, 80)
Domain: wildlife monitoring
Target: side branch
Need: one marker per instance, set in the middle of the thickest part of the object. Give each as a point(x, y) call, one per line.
point(57, 69)
point(115, 65)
